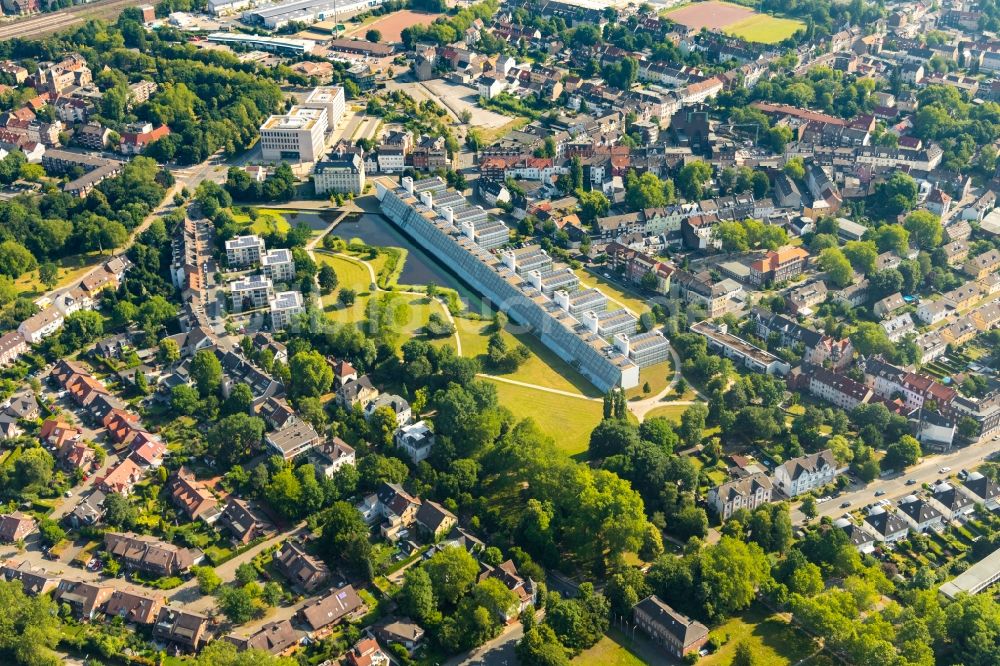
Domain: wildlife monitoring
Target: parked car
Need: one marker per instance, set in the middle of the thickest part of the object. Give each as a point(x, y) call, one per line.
point(879, 493)
point(845, 504)
point(944, 470)
point(911, 482)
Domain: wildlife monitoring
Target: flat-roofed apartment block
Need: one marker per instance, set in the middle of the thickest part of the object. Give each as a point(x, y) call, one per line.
point(330, 99)
point(244, 250)
point(299, 135)
point(285, 306)
point(609, 323)
point(645, 349)
point(737, 349)
point(251, 292)
point(340, 173)
point(278, 265)
point(583, 300)
point(526, 259)
point(559, 279)
point(426, 211)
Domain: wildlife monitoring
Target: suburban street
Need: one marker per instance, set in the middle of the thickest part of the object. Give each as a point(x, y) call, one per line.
point(895, 487)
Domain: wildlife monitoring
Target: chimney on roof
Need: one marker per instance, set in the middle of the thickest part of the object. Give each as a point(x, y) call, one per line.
point(408, 184)
point(427, 199)
point(561, 297)
point(589, 320)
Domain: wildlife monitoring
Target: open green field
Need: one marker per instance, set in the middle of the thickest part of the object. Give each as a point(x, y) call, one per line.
point(612, 650)
point(773, 640)
point(765, 29)
point(625, 298)
point(543, 367)
point(567, 420)
point(669, 411)
point(268, 221)
point(70, 269)
point(658, 376)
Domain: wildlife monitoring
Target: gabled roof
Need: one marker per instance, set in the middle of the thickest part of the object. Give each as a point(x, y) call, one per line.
point(685, 630)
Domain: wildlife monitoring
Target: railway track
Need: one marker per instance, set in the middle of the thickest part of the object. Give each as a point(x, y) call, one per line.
point(44, 24)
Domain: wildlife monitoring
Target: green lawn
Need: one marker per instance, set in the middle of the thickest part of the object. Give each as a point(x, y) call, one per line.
point(626, 298)
point(765, 29)
point(774, 641)
point(567, 420)
point(70, 270)
point(268, 221)
point(669, 411)
point(612, 650)
point(658, 376)
point(543, 367)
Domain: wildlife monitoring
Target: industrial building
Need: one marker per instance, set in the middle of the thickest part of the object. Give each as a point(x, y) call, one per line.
point(417, 209)
point(279, 45)
point(278, 15)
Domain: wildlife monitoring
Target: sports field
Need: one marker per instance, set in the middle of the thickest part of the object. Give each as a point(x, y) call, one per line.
point(735, 20)
point(391, 26)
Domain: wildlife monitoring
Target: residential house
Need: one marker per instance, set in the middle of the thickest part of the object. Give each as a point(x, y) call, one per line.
point(525, 589)
point(778, 265)
point(920, 513)
point(33, 581)
point(952, 500)
point(122, 477)
point(244, 521)
point(149, 554)
point(396, 508)
point(16, 526)
point(435, 519)
point(332, 456)
point(192, 496)
point(274, 638)
point(277, 413)
point(84, 599)
point(359, 391)
point(860, 538)
point(899, 327)
point(677, 634)
point(332, 608)
point(302, 569)
point(746, 493)
point(931, 312)
point(886, 306)
point(400, 630)
point(293, 440)
point(133, 608)
point(886, 525)
point(415, 440)
point(801, 300)
point(803, 474)
point(180, 627)
point(366, 652)
point(89, 511)
point(981, 265)
point(12, 346)
point(399, 406)
point(983, 490)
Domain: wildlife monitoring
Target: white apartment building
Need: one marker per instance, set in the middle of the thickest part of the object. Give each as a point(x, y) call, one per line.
point(297, 136)
point(244, 250)
point(278, 265)
point(800, 475)
point(416, 440)
point(285, 306)
point(341, 174)
point(329, 98)
point(251, 292)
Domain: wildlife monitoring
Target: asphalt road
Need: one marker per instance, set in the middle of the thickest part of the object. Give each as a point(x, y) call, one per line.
point(895, 487)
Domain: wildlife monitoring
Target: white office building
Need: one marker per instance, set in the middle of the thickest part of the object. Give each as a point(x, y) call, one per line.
point(244, 250)
point(250, 293)
point(297, 136)
point(329, 98)
point(278, 265)
point(285, 306)
point(344, 173)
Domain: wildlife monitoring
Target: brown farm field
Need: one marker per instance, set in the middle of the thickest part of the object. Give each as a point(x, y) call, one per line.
point(712, 15)
point(391, 26)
